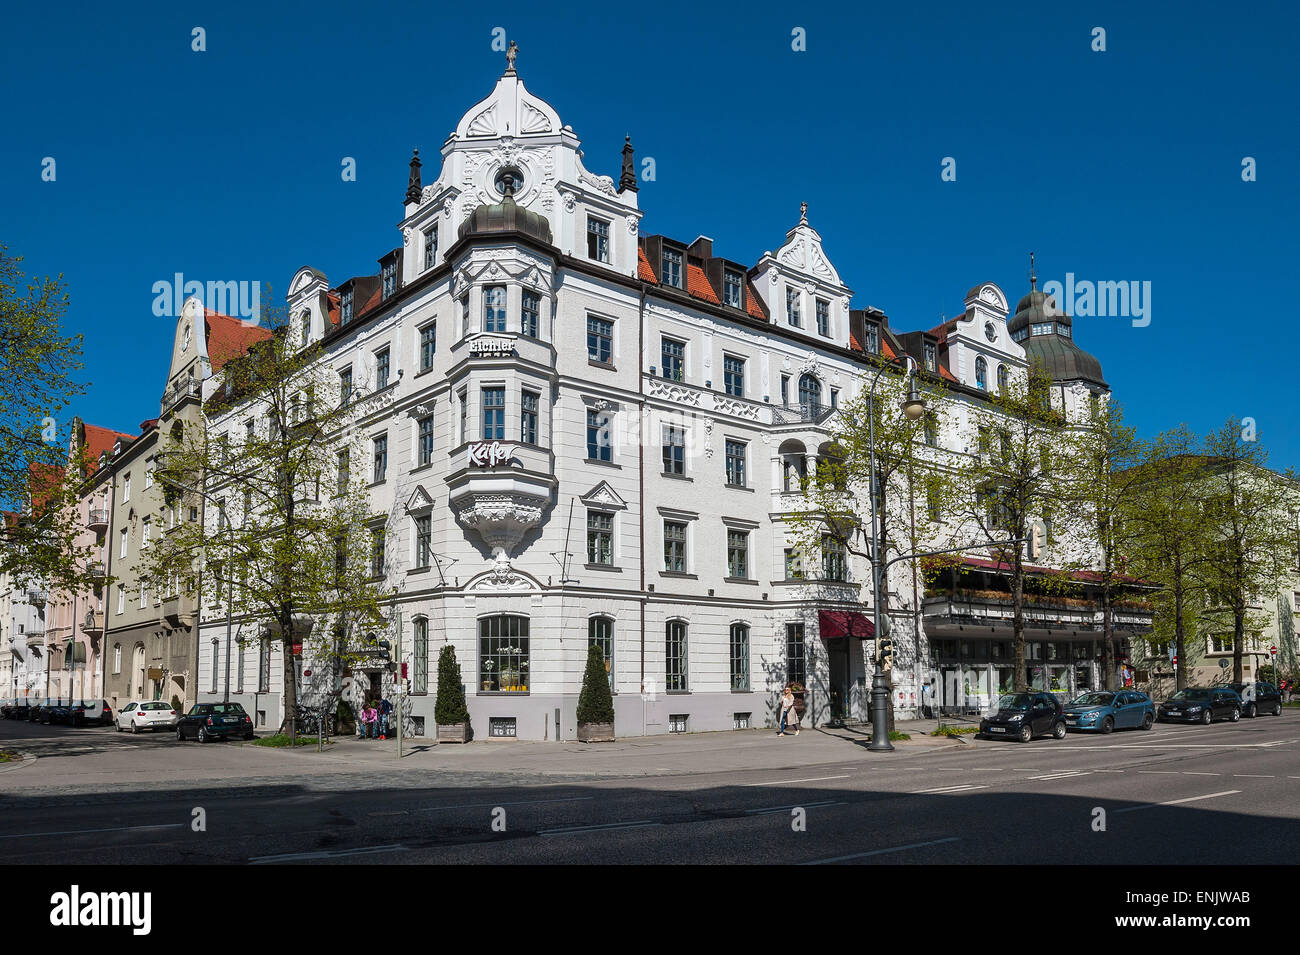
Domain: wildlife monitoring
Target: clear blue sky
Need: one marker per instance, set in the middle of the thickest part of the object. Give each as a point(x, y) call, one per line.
point(1122, 165)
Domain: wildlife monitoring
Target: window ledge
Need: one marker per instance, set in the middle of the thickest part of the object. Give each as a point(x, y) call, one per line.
point(677, 692)
point(677, 477)
point(741, 487)
point(606, 568)
point(506, 693)
point(678, 573)
point(419, 570)
point(740, 580)
point(421, 467)
point(377, 483)
point(424, 371)
point(606, 365)
point(604, 464)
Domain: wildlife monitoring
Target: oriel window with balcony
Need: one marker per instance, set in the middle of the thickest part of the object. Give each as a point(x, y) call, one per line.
point(834, 564)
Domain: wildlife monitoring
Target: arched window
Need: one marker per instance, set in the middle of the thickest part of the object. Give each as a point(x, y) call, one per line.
point(981, 373)
point(1002, 379)
point(600, 632)
point(305, 318)
point(810, 393)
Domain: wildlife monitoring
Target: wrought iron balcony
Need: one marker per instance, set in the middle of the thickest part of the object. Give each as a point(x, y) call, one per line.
point(95, 570)
point(37, 597)
point(94, 622)
point(97, 520)
point(805, 412)
point(176, 393)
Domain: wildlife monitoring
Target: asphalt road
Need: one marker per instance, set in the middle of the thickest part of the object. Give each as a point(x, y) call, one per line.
point(1177, 794)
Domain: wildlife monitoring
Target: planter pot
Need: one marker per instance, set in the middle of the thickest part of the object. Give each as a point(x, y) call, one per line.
point(453, 732)
point(595, 732)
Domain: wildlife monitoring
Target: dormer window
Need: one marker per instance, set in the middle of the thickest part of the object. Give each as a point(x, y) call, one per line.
point(597, 239)
point(792, 308)
point(871, 338)
point(732, 283)
point(430, 247)
point(306, 326)
point(1063, 330)
point(931, 357)
point(672, 268)
point(1042, 328)
point(390, 278)
point(345, 307)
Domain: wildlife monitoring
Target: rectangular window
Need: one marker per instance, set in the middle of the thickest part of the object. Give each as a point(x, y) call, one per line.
point(740, 721)
point(599, 446)
point(792, 308)
point(420, 657)
point(740, 658)
point(377, 552)
point(672, 268)
point(144, 595)
point(122, 549)
point(494, 414)
point(423, 529)
point(732, 283)
point(674, 547)
point(382, 368)
point(345, 386)
point(390, 278)
point(343, 470)
point(306, 327)
point(600, 538)
point(600, 340)
point(121, 597)
point(430, 247)
point(600, 633)
point(674, 451)
point(677, 722)
point(833, 561)
point(738, 554)
point(503, 654)
point(345, 307)
point(932, 505)
point(931, 357)
point(931, 425)
point(426, 440)
point(673, 355)
point(823, 318)
point(785, 389)
point(264, 666)
point(528, 404)
point(464, 313)
point(148, 477)
point(528, 315)
point(795, 665)
point(117, 660)
point(733, 375)
point(597, 240)
point(793, 564)
point(675, 659)
point(126, 488)
point(735, 463)
point(239, 668)
point(503, 727)
point(145, 528)
point(381, 458)
point(494, 308)
point(428, 345)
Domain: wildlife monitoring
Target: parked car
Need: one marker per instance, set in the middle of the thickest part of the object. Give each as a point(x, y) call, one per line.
point(1201, 705)
point(1104, 711)
point(140, 715)
point(41, 711)
point(1258, 698)
point(1024, 716)
point(209, 721)
point(59, 712)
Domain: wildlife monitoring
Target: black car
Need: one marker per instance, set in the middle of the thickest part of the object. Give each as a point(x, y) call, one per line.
point(1258, 698)
point(1201, 705)
point(43, 712)
point(1022, 716)
point(209, 721)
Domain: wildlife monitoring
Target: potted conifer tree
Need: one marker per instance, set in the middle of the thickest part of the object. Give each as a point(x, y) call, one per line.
point(450, 711)
point(595, 702)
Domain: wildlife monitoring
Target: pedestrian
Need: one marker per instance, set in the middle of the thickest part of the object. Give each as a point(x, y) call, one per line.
point(788, 715)
point(385, 712)
point(368, 717)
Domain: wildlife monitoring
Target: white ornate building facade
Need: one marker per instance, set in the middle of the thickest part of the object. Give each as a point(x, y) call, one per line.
point(579, 433)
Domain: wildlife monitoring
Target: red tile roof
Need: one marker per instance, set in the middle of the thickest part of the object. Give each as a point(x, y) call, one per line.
point(946, 375)
point(374, 300)
point(643, 269)
point(754, 304)
point(229, 337)
point(97, 441)
point(698, 285)
point(886, 350)
point(334, 307)
point(43, 482)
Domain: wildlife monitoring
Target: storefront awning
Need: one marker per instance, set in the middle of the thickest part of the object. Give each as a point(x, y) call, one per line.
point(845, 623)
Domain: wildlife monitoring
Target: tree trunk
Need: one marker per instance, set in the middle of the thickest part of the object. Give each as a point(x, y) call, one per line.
point(1178, 639)
point(1238, 642)
point(1108, 640)
point(1021, 684)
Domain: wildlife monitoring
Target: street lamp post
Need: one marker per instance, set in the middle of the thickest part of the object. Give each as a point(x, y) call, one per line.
point(913, 406)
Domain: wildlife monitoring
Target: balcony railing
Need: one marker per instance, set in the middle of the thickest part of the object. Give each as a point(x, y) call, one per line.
point(37, 598)
point(94, 622)
point(35, 638)
point(179, 391)
point(95, 570)
point(98, 519)
point(805, 412)
point(178, 611)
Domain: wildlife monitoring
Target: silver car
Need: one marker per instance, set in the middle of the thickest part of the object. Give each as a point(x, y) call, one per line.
point(140, 715)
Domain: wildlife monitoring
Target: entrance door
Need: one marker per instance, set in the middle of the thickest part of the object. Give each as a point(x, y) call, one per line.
point(376, 691)
point(837, 651)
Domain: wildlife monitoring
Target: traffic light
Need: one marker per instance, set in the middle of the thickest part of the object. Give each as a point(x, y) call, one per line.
point(886, 653)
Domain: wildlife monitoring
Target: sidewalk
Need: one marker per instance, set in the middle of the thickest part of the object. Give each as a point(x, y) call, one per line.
point(633, 756)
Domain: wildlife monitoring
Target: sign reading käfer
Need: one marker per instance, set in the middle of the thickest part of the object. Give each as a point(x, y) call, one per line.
point(487, 454)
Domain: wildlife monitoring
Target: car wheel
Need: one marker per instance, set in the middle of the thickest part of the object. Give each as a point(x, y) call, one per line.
point(180, 735)
point(1236, 714)
point(203, 736)
point(1058, 731)
point(1277, 709)
point(118, 727)
point(135, 729)
point(1251, 710)
point(1026, 733)
point(1148, 721)
point(1108, 725)
point(249, 737)
point(1207, 718)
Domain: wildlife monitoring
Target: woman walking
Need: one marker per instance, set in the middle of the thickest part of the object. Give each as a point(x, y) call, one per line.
point(788, 713)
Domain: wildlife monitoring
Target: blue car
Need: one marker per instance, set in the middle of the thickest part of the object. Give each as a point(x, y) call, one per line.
point(1103, 711)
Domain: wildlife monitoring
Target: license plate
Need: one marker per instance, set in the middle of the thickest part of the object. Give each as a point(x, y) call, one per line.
point(1175, 712)
point(1072, 720)
point(229, 719)
point(997, 729)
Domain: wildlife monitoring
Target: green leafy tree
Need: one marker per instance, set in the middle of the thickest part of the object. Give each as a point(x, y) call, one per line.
point(595, 702)
point(450, 707)
point(37, 481)
point(287, 534)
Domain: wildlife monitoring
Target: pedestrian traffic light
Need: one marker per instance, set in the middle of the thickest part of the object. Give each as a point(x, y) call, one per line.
point(886, 653)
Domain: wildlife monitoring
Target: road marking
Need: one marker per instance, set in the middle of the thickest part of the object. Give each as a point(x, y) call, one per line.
point(324, 854)
point(1251, 776)
point(483, 805)
point(82, 832)
point(1108, 770)
point(945, 789)
point(813, 779)
point(1179, 802)
point(1202, 774)
point(1159, 772)
point(878, 852)
point(1065, 775)
point(571, 830)
point(807, 805)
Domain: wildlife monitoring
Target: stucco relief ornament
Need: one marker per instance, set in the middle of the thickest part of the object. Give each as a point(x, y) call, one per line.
point(427, 193)
point(809, 363)
point(447, 209)
point(772, 276)
point(494, 268)
point(406, 235)
point(708, 437)
point(569, 200)
point(631, 225)
point(810, 287)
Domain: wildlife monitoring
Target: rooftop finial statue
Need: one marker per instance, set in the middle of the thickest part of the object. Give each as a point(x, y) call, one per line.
point(512, 51)
point(803, 213)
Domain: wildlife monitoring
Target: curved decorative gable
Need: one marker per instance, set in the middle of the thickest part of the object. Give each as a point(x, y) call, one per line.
point(509, 110)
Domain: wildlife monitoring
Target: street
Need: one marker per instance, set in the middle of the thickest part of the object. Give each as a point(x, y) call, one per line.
point(1177, 794)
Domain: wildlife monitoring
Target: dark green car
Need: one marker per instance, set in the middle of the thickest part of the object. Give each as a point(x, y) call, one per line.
point(208, 721)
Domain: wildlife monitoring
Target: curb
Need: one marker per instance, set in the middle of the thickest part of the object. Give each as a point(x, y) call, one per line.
point(23, 760)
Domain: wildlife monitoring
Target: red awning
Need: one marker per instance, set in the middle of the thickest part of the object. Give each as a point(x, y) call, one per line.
point(845, 623)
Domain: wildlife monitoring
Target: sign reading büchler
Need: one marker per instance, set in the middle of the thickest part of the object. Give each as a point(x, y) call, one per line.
point(487, 454)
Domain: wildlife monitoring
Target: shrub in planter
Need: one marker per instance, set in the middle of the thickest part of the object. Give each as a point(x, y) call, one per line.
point(176, 703)
point(450, 711)
point(345, 720)
point(595, 702)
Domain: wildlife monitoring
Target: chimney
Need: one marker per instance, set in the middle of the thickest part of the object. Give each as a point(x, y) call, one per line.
point(627, 181)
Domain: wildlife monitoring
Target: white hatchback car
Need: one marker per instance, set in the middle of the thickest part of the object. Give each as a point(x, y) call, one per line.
point(140, 715)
